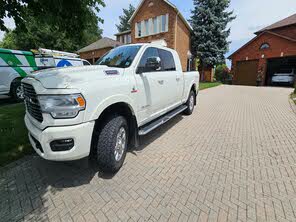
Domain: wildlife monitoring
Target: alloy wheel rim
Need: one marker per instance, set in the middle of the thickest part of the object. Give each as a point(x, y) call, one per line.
point(120, 144)
point(19, 92)
point(191, 102)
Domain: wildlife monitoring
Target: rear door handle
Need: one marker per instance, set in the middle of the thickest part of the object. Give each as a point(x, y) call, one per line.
point(178, 79)
point(160, 82)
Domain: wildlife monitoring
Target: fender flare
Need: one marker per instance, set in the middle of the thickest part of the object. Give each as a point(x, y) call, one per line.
point(103, 105)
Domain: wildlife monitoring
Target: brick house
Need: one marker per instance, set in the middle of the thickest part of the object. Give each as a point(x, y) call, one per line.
point(97, 49)
point(272, 50)
point(124, 37)
point(160, 21)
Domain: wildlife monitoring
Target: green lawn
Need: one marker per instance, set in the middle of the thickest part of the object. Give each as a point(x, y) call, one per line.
point(293, 97)
point(14, 142)
point(206, 85)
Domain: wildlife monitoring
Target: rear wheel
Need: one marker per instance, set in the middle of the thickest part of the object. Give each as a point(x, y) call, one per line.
point(16, 91)
point(111, 144)
point(190, 104)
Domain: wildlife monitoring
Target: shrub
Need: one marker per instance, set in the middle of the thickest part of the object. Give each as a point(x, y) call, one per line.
point(222, 73)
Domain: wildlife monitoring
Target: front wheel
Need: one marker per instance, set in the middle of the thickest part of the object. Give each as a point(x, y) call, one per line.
point(111, 144)
point(190, 104)
point(17, 91)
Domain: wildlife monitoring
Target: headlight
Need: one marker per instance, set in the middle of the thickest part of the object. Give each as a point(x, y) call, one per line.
point(62, 106)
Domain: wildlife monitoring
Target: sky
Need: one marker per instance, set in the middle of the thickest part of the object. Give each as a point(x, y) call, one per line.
point(251, 15)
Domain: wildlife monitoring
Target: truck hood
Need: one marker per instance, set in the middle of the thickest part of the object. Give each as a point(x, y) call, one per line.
point(71, 77)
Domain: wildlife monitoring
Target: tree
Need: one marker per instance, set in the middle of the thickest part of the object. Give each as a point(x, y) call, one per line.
point(124, 24)
point(209, 21)
point(8, 40)
point(59, 24)
point(222, 73)
point(11, 9)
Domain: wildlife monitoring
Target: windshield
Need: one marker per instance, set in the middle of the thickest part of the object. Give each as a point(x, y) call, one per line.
point(121, 57)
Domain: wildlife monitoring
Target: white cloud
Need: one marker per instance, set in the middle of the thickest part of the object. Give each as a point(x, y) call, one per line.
point(9, 22)
point(252, 15)
point(111, 14)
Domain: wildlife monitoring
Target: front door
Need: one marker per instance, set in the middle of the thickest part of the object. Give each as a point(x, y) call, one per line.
point(153, 86)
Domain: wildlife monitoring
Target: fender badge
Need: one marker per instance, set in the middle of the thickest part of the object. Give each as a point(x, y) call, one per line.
point(134, 90)
point(111, 72)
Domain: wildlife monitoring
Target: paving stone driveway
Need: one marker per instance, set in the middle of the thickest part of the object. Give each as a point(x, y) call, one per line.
point(234, 159)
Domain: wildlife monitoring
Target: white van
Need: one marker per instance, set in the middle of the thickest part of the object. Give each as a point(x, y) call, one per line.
point(47, 58)
point(15, 65)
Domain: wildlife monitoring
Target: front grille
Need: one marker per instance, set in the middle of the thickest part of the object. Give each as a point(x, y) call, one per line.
point(32, 103)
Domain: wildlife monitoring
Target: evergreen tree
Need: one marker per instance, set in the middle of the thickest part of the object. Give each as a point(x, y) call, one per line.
point(124, 24)
point(209, 21)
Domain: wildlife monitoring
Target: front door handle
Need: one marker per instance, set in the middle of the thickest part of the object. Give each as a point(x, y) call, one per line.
point(160, 82)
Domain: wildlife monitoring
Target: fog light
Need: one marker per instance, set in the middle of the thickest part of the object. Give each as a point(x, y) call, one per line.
point(62, 145)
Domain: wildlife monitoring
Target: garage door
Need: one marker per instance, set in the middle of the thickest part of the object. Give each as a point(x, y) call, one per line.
point(246, 73)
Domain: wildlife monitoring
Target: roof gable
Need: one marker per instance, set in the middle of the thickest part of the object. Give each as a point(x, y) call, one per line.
point(258, 36)
point(291, 20)
point(100, 44)
point(171, 5)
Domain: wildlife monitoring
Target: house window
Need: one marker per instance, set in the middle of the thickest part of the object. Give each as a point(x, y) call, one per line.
point(155, 25)
point(146, 27)
point(264, 46)
point(152, 26)
point(139, 29)
point(129, 39)
point(163, 23)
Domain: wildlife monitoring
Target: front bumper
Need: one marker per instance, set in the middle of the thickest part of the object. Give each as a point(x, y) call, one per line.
point(81, 134)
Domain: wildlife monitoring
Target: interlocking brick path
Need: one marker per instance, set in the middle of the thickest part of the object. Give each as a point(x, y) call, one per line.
point(232, 160)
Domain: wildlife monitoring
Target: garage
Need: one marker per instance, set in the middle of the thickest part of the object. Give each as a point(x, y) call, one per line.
point(271, 54)
point(280, 66)
point(246, 73)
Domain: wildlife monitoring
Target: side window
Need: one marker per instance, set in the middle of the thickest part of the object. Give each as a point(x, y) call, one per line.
point(86, 63)
point(167, 60)
point(150, 53)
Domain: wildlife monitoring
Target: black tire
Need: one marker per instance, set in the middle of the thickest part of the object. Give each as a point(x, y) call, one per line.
point(190, 106)
point(105, 144)
point(16, 91)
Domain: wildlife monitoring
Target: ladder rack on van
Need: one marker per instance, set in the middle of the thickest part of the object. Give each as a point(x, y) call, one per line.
point(56, 53)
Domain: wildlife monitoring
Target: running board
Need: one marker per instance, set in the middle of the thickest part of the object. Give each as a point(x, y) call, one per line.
point(160, 121)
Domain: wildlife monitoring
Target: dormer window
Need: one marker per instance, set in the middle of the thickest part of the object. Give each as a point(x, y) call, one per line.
point(264, 46)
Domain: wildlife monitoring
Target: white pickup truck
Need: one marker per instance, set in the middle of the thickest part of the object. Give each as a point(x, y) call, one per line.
point(98, 111)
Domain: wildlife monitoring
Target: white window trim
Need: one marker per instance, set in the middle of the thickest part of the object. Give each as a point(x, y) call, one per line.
point(150, 31)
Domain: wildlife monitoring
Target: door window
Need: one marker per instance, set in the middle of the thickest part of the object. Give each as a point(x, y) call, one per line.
point(167, 60)
point(150, 53)
point(85, 63)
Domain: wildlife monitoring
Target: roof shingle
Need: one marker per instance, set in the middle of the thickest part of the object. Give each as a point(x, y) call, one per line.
point(285, 22)
point(100, 44)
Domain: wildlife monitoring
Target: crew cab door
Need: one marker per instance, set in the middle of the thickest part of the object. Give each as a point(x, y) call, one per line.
point(153, 87)
point(173, 78)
